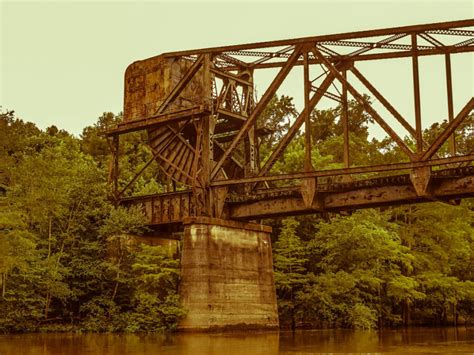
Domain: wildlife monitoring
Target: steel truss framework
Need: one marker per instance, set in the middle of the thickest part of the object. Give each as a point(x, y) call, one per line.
point(223, 183)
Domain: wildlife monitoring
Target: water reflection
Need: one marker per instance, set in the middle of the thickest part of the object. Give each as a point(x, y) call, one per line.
point(432, 340)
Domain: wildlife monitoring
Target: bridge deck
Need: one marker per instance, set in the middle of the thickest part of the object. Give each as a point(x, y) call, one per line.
point(445, 185)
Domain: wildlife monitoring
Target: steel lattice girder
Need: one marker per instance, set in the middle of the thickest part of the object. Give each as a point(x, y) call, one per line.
point(442, 38)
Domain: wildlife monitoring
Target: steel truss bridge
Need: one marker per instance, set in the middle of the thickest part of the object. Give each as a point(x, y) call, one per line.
point(201, 116)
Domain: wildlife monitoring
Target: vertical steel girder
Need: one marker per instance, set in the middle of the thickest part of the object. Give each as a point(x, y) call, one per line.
point(345, 121)
point(449, 93)
point(416, 95)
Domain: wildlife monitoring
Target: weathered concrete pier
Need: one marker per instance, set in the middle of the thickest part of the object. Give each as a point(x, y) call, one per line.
point(227, 275)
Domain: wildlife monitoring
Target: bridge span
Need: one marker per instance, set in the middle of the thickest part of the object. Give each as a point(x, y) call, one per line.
point(447, 185)
point(204, 132)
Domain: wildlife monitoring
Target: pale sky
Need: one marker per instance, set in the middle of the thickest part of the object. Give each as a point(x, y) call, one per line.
point(62, 63)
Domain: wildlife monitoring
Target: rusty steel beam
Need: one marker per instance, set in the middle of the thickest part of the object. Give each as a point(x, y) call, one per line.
point(333, 37)
point(345, 120)
point(416, 95)
point(158, 120)
point(307, 112)
point(379, 44)
point(449, 130)
point(458, 32)
point(366, 46)
point(258, 109)
point(137, 175)
point(233, 60)
point(449, 93)
point(308, 186)
point(223, 74)
point(273, 55)
point(344, 171)
point(374, 56)
point(328, 94)
point(432, 40)
point(350, 200)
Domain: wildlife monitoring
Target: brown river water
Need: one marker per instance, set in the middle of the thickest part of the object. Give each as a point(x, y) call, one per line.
point(410, 340)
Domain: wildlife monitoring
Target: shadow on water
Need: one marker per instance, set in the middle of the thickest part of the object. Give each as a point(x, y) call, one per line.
point(431, 340)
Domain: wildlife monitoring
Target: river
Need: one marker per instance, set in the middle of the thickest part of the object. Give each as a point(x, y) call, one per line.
point(419, 340)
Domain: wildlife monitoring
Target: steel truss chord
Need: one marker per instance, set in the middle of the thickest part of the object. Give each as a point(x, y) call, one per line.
point(446, 28)
point(344, 171)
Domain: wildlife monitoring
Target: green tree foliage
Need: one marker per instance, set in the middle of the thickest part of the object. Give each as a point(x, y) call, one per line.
point(441, 238)
point(355, 258)
point(290, 272)
point(368, 270)
point(155, 300)
point(59, 234)
point(15, 137)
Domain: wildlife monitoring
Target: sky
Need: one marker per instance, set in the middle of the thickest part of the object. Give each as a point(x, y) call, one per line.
point(62, 63)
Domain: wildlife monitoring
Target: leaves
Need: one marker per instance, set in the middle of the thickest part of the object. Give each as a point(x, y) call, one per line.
point(371, 268)
point(58, 233)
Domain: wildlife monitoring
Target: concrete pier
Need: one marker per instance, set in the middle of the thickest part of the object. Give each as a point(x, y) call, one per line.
point(227, 276)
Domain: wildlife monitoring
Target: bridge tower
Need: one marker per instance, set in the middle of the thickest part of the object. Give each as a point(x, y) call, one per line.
point(190, 110)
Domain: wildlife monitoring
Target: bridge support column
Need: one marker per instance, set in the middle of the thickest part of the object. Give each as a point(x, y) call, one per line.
point(227, 276)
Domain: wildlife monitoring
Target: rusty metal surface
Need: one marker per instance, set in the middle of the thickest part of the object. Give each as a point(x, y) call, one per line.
point(446, 185)
point(200, 112)
point(149, 82)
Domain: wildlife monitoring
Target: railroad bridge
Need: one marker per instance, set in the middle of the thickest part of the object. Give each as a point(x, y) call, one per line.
point(201, 115)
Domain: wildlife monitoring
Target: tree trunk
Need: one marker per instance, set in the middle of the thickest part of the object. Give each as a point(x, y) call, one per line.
point(4, 284)
point(455, 315)
point(46, 308)
point(293, 320)
point(444, 316)
point(118, 275)
point(116, 285)
point(48, 295)
point(50, 236)
point(379, 292)
point(406, 313)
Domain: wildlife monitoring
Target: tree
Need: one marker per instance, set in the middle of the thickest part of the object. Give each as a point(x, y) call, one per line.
point(365, 250)
point(290, 271)
point(440, 237)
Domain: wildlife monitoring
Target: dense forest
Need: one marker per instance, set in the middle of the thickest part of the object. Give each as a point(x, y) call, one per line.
point(68, 261)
